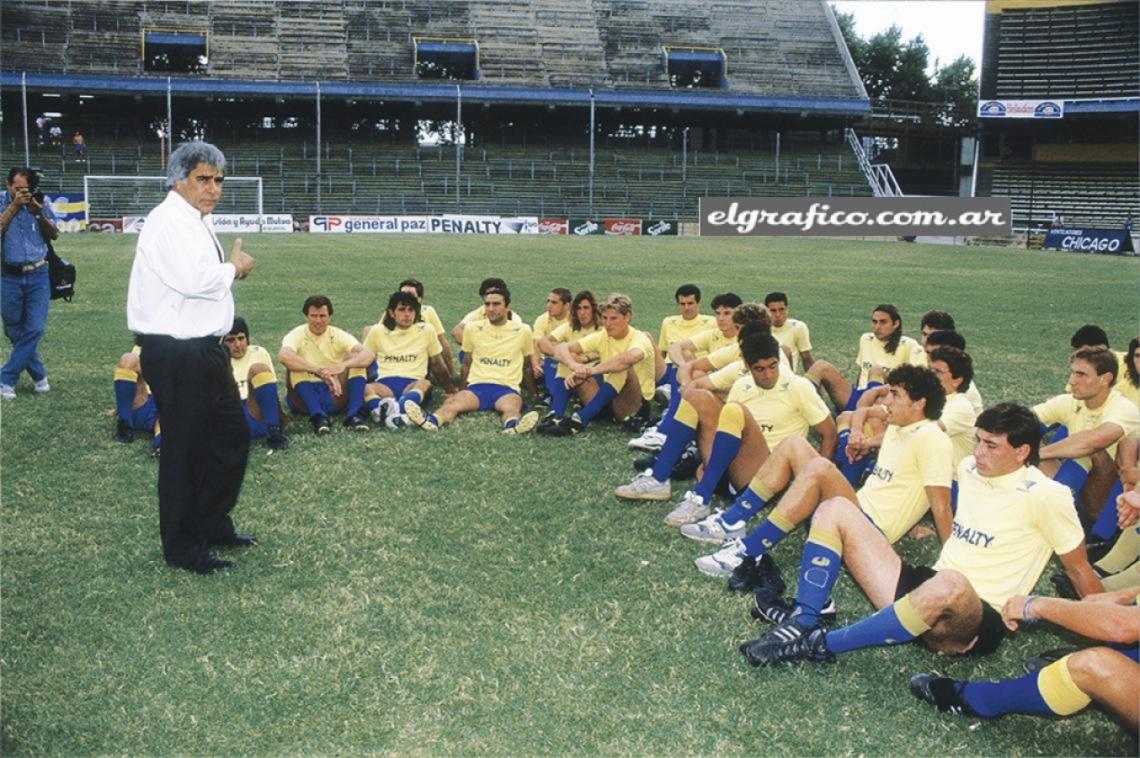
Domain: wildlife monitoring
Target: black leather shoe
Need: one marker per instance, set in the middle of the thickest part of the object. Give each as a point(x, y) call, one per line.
point(207, 564)
point(123, 432)
point(236, 540)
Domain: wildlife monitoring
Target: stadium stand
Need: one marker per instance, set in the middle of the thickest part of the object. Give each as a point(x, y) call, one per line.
point(1080, 168)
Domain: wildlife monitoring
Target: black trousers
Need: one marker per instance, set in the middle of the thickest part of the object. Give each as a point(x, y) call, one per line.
point(205, 442)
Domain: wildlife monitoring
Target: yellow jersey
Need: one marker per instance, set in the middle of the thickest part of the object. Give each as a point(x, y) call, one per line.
point(428, 314)
point(544, 324)
point(403, 352)
point(790, 408)
point(793, 335)
point(1006, 528)
point(1078, 417)
point(709, 341)
point(497, 353)
point(325, 349)
point(566, 333)
point(607, 347)
point(911, 458)
point(958, 417)
point(873, 353)
point(254, 354)
point(675, 328)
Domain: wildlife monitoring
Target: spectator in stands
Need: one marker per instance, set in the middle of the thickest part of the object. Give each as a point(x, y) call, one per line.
point(496, 361)
point(56, 134)
point(792, 333)
point(1107, 675)
point(326, 369)
point(41, 130)
point(1011, 519)
point(880, 350)
point(79, 144)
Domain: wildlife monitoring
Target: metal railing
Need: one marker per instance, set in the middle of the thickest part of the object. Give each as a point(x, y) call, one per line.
point(879, 175)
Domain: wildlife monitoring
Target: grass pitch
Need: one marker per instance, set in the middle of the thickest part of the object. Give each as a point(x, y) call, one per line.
point(464, 592)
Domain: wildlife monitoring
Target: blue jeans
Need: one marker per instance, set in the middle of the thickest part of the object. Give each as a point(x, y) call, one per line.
point(25, 309)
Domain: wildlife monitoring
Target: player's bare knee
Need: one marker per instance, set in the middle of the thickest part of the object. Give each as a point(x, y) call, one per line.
point(947, 590)
point(258, 368)
point(830, 512)
point(129, 361)
point(697, 397)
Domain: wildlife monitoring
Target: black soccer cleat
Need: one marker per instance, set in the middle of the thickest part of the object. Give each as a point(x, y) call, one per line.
point(568, 427)
point(777, 610)
point(275, 439)
point(789, 642)
point(687, 465)
point(943, 693)
point(644, 462)
point(123, 432)
point(760, 575)
point(1041, 660)
point(321, 423)
point(355, 423)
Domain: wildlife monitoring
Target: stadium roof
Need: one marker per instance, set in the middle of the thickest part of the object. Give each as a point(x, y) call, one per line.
point(440, 92)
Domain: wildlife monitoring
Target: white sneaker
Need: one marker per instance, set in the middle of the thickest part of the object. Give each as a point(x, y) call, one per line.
point(42, 386)
point(645, 487)
point(723, 562)
point(651, 441)
point(691, 508)
point(525, 424)
point(713, 529)
point(385, 411)
point(7, 392)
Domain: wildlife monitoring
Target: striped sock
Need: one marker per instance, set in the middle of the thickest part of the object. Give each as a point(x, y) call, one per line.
point(126, 382)
point(1048, 692)
point(749, 503)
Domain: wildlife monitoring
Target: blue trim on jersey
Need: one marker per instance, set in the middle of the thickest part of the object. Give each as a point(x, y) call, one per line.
point(489, 394)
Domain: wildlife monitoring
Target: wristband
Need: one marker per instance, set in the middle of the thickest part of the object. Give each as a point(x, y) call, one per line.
point(1025, 617)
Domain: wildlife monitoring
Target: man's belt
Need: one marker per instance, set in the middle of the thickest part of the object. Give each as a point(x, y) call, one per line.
point(13, 269)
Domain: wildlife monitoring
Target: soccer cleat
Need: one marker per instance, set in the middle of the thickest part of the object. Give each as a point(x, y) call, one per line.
point(384, 410)
point(644, 487)
point(1063, 586)
point(569, 427)
point(41, 386)
point(789, 641)
point(638, 422)
point(713, 529)
point(943, 693)
point(321, 424)
point(1040, 661)
point(275, 439)
point(686, 466)
point(525, 424)
point(396, 421)
point(7, 392)
point(775, 610)
point(760, 574)
point(417, 416)
point(650, 441)
point(156, 447)
point(663, 394)
point(123, 432)
point(724, 561)
point(691, 508)
point(355, 423)
point(644, 463)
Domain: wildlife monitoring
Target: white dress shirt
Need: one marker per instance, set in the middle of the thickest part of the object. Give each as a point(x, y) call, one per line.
point(179, 284)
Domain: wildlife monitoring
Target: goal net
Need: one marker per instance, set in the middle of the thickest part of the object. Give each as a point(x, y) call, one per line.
point(124, 196)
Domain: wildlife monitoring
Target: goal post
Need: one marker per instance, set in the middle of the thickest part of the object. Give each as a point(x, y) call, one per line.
point(110, 196)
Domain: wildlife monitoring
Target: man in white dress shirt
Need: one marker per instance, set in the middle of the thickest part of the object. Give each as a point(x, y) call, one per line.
point(179, 303)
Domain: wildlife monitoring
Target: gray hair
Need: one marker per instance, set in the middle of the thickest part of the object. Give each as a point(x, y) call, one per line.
point(187, 157)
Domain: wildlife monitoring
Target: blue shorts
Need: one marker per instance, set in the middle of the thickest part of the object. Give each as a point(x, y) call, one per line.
point(324, 395)
point(489, 394)
point(1072, 476)
point(397, 384)
point(858, 393)
point(143, 417)
point(257, 428)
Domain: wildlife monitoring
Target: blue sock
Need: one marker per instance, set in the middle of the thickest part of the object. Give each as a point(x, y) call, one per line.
point(511, 423)
point(310, 396)
point(767, 535)
point(372, 403)
point(746, 505)
point(893, 625)
point(559, 398)
point(1105, 527)
point(124, 398)
point(677, 440)
point(266, 396)
point(414, 395)
point(355, 394)
point(819, 568)
point(597, 404)
point(1020, 695)
point(724, 449)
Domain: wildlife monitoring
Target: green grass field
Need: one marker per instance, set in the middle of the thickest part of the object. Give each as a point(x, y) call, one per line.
point(465, 592)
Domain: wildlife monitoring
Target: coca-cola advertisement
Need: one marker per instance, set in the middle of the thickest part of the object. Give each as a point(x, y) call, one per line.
point(554, 226)
point(622, 227)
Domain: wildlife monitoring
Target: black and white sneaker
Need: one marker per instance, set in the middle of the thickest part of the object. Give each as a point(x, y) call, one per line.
point(943, 693)
point(789, 641)
point(321, 424)
point(777, 611)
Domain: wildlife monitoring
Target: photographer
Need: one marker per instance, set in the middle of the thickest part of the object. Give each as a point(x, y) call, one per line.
point(26, 226)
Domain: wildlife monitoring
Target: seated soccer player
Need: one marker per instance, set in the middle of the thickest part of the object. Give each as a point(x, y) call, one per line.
point(1096, 418)
point(496, 353)
point(326, 369)
point(584, 321)
point(428, 314)
point(1107, 675)
point(688, 322)
point(628, 365)
point(134, 405)
point(792, 333)
point(762, 409)
point(1010, 520)
point(683, 352)
point(556, 314)
point(491, 282)
point(950, 338)
point(935, 321)
point(405, 347)
point(257, 385)
point(880, 350)
point(911, 476)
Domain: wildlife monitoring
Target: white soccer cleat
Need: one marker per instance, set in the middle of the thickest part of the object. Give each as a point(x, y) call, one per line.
point(691, 508)
point(41, 387)
point(417, 416)
point(645, 487)
point(525, 424)
point(651, 441)
point(7, 392)
point(723, 562)
point(712, 529)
